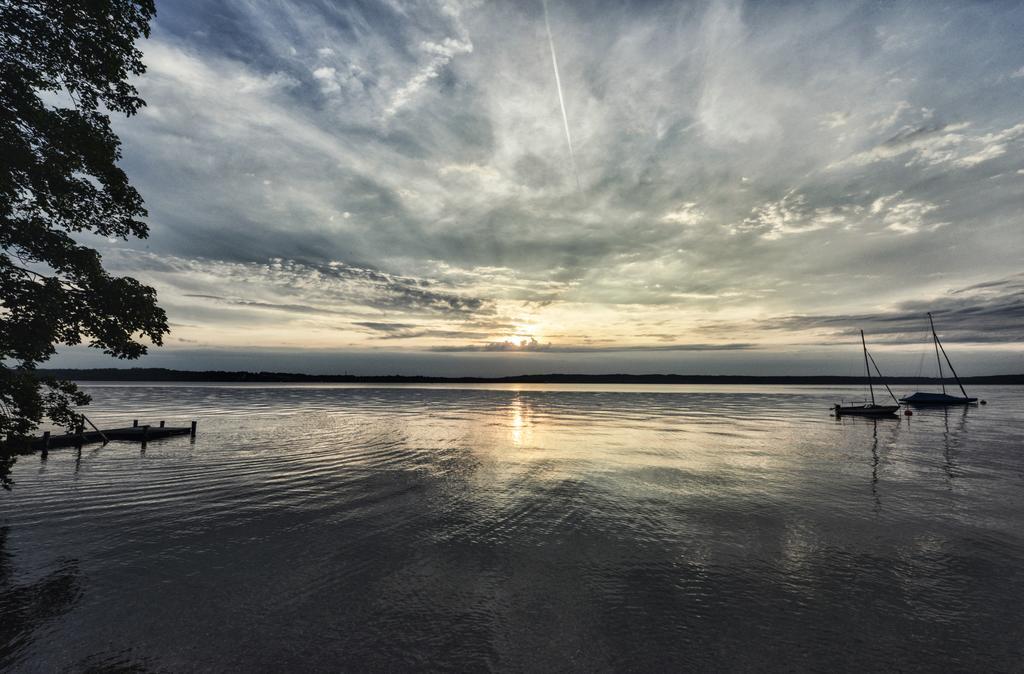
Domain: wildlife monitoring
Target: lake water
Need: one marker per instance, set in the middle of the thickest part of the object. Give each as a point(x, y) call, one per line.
point(519, 528)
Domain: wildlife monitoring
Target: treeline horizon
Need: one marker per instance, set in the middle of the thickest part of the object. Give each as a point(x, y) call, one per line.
point(160, 374)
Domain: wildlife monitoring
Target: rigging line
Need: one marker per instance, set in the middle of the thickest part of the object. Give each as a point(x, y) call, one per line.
point(924, 342)
point(950, 364)
point(882, 379)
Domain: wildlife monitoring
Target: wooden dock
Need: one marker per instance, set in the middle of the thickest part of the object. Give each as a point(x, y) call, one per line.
point(135, 433)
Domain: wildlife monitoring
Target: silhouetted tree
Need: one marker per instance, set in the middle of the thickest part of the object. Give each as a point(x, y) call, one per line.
point(64, 64)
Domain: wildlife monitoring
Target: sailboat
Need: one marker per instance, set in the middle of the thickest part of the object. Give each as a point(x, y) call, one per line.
point(871, 409)
point(926, 398)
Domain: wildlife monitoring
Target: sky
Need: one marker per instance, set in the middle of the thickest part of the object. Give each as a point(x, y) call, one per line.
point(381, 187)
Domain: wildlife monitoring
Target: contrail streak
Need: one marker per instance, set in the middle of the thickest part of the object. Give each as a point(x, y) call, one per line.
point(561, 98)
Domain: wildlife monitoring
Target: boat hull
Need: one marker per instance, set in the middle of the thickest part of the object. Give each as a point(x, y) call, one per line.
point(867, 410)
point(923, 398)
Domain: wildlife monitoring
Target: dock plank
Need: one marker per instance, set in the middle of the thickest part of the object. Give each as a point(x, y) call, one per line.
point(129, 433)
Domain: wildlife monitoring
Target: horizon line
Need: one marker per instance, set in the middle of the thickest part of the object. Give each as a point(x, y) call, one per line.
point(265, 376)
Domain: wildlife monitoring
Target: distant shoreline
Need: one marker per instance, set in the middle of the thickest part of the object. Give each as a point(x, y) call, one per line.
point(166, 375)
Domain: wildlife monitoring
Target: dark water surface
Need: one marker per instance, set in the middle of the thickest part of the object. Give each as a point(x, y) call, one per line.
point(520, 529)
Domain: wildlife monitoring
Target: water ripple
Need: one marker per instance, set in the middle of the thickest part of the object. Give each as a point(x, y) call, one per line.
point(518, 528)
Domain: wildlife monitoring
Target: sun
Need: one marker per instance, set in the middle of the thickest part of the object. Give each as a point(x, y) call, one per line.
point(526, 332)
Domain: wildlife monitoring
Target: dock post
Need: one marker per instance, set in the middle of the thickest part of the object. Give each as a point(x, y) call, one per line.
point(161, 423)
point(46, 444)
point(145, 435)
point(193, 432)
point(135, 423)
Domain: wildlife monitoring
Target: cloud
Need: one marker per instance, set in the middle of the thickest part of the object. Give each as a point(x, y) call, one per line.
point(992, 145)
point(938, 144)
point(530, 344)
point(686, 214)
point(990, 312)
point(414, 331)
point(384, 327)
point(287, 308)
point(359, 173)
point(335, 282)
point(439, 55)
point(906, 216)
point(890, 119)
point(533, 345)
point(788, 215)
point(929, 144)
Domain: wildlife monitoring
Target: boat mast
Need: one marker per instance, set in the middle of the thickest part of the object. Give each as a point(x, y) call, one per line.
point(867, 367)
point(948, 362)
point(938, 360)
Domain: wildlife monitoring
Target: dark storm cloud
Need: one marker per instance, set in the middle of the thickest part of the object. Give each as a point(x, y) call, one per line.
point(534, 346)
point(413, 331)
point(389, 291)
point(385, 327)
point(991, 312)
point(289, 308)
point(442, 334)
point(333, 283)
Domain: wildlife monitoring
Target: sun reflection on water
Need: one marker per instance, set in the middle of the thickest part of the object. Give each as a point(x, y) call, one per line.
point(520, 421)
